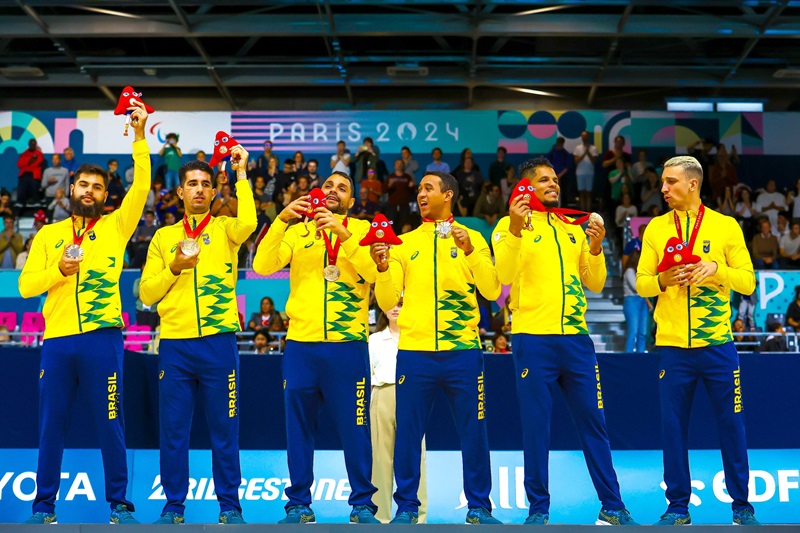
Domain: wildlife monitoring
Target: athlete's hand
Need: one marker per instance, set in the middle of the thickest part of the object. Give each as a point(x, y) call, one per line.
point(296, 209)
point(461, 236)
point(702, 270)
point(677, 276)
point(326, 220)
point(68, 266)
point(596, 233)
point(138, 119)
point(380, 254)
point(182, 261)
point(239, 159)
point(518, 214)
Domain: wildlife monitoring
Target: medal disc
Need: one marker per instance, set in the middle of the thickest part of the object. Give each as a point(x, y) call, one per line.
point(380, 233)
point(678, 258)
point(597, 219)
point(74, 251)
point(190, 247)
point(331, 273)
point(444, 229)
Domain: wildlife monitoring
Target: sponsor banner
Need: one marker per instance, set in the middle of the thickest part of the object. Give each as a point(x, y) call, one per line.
point(774, 482)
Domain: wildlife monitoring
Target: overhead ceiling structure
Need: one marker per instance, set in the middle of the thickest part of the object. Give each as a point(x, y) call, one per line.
point(332, 54)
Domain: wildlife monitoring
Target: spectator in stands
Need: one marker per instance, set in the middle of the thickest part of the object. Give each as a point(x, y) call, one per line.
point(69, 162)
point(263, 160)
point(776, 341)
point(287, 177)
point(635, 244)
point(364, 209)
point(267, 318)
point(499, 168)
point(410, 164)
point(508, 182)
point(636, 309)
point(501, 322)
point(783, 227)
point(59, 207)
point(374, 186)
point(624, 211)
point(4, 336)
point(200, 156)
point(650, 191)
point(770, 202)
point(39, 221)
point(765, 248)
point(299, 163)
point(168, 204)
point(746, 304)
point(340, 161)
point(261, 341)
point(745, 212)
point(793, 311)
point(154, 195)
point(612, 156)
point(116, 190)
point(740, 332)
point(500, 343)
point(399, 186)
point(790, 248)
point(113, 169)
point(722, 173)
point(271, 176)
point(53, 178)
point(129, 175)
point(31, 166)
point(466, 153)
point(10, 243)
point(146, 315)
point(169, 218)
point(366, 158)
point(23, 255)
point(300, 187)
point(585, 155)
point(791, 200)
point(725, 203)
point(225, 205)
point(5, 203)
point(704, 151)
point(141, 239)
point(620, 178)
point(562, 161)
point(640, 166)
point(437, 165)
point(172, 160)
point(258, 190)
point(470, 184)
point(313, 176)
point(490, 205)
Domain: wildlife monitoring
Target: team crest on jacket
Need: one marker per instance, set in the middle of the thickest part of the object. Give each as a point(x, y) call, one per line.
point(454, 252)
point(706, 246)
point(206, 238)
point(572, 238)
point(92, 236)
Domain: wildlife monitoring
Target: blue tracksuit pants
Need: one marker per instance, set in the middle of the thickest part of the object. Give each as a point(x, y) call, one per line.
point(336, 374)
point(718, 368)
point(545, 363)
point(208, 366)
point(93, 362)
point(459, 374)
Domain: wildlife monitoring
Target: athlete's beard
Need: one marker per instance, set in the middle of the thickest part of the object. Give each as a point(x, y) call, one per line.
point(342, 208)
point(87, 211)
point(551, 204)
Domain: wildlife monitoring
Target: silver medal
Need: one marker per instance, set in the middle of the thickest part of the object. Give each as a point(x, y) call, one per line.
point(74, 251)
point(443, 229)
point(189, 247)
point(331, 273)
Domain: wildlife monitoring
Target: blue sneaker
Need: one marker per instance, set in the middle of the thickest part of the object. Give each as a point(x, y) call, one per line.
point(537, 519)
point(744, 517)
point(231, 517)
point(614, 518)
point(674, 519)
point(299, 514)
point(361, 514)
point(42, 518)
point(406, 517)
point(170, 518)
point(481, 515)
point(121, 515)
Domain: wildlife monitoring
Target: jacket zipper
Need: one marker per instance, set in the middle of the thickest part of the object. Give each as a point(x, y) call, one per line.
point(561, 264)
point(688, 291)
point(196, 302)
point(325, 294)
point(435, 293)
point(77, 300)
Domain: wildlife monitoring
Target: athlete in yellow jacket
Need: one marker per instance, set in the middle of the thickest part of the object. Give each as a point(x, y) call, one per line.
point(191, 273)
point(77, 262)
point(438, 269)
point(547, 265)
point(326, 357)
point(694, 332)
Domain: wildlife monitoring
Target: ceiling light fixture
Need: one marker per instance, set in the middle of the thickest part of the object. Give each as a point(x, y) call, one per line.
point(534, 91)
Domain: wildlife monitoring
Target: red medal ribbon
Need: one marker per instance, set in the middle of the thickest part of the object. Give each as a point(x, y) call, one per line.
point(451, 219)
point(78, 239)
point(193, 233)
point(333, 250)
point(560, 212)
point(695, 229)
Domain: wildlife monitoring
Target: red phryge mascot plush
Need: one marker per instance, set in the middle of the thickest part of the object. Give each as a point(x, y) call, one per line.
point(523, 188)
point(223, 143)
point(380, 231)
point(676, 253)
point(126, 100)
point(316, 199)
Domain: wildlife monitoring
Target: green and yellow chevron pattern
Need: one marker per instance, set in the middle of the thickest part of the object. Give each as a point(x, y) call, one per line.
point(712, 327)
point(456, 312)
point(96, 297)
point(574, 307)
point(217, 299)
point(342, 309)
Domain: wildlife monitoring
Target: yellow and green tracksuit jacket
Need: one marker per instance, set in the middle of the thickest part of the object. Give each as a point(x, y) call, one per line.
point(547, 269)
point(201, 301)
point(321, 310)
point(90, 299)
point(697, 315)
point(438, 284)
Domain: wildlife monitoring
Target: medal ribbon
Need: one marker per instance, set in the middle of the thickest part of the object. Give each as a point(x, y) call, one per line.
point(695, 229)
point(333, 250)
point(451, 219)
point(193, 233)
point(78, 239)
point(560, 212)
